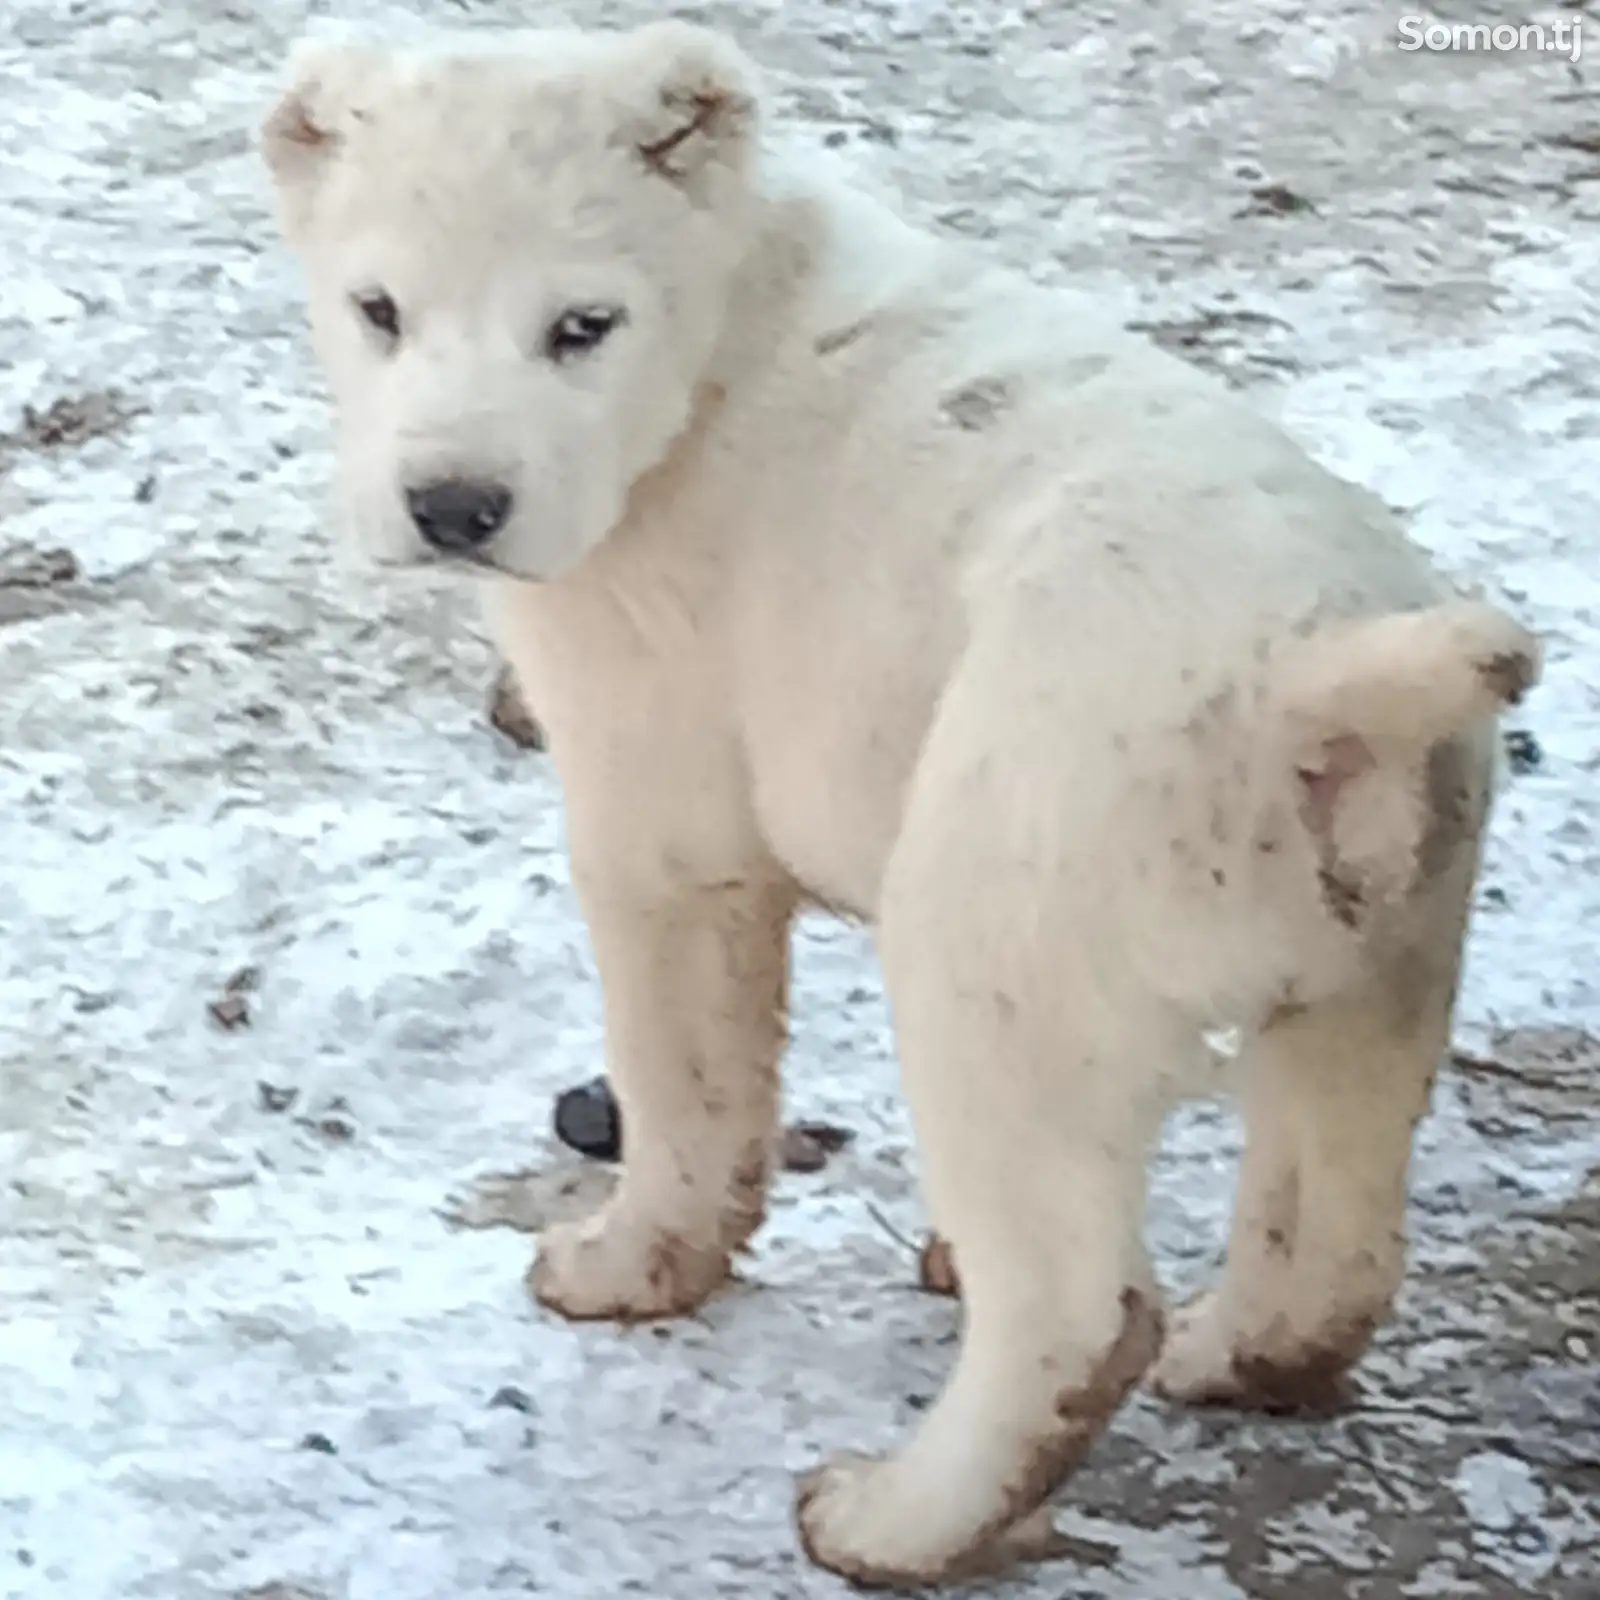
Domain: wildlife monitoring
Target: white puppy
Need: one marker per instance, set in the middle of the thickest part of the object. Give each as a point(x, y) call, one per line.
point(847, 570)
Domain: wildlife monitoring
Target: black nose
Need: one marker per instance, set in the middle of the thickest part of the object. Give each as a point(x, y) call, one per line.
point(457, 513)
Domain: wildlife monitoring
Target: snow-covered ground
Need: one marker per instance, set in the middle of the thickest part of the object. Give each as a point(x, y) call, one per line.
point(247, 1349)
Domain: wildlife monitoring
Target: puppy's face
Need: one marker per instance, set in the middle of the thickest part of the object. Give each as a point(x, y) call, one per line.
point(518, 257)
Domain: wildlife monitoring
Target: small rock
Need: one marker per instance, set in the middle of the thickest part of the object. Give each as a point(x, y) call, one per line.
point(320, 1443)
point(587, 1120)
point(1523, 752)
point(271, 1098)
point(801, 1153)
point(806, 1146)
point(1275, 200)
point(230, 1011)
point(333, 1122)
point(511, 1398)
point(38, 569)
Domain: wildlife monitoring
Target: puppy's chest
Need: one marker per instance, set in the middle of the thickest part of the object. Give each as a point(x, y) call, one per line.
point(839, 659)
point(828, 775)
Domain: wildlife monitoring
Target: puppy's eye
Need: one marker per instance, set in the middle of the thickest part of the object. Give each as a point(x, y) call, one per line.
point(379, 312)
point(581, 329)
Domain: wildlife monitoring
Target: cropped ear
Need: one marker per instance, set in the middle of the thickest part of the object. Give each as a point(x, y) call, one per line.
point(305, 130)
point(696, 104)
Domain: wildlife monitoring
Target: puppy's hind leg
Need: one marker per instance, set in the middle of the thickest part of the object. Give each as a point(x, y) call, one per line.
point(1031, 1068)
point(1391, 749)
point(1333, 1095)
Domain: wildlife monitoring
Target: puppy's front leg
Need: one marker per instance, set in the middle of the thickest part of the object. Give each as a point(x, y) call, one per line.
point(694, 987)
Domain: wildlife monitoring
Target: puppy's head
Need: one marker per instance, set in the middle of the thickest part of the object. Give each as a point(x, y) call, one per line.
point(518, 251)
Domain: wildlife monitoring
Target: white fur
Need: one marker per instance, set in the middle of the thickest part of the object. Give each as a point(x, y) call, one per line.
point(867, 575)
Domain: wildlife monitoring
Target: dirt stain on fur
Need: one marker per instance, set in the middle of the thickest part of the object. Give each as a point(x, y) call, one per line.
point(1343, 894)
point(1215, 711)
point(1451, 813)
point(1308, 1380)
point(1083, 1413)
point(1509, 675)
point(746, 1207)
point(1343, 760)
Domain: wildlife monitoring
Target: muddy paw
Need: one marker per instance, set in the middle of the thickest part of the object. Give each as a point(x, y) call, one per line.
point(863, 1518)
point(848, 1525)
point(1206, 1362)
point(604, 1269)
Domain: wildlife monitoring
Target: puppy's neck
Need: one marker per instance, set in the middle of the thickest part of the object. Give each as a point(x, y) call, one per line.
point(824, 252)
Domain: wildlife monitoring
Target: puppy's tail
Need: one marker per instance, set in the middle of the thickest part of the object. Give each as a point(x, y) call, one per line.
point(1377, 713)
point(1408, 680)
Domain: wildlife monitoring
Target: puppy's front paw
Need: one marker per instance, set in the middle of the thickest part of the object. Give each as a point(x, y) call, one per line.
point(612, 1267)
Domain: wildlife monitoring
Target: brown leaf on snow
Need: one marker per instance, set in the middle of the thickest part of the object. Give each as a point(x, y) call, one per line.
point(229, 1011)
point(936, 1267)
point(1275, 200)
point(509, 714)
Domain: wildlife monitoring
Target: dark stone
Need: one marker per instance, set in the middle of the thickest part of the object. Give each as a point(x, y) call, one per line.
point(587, 1120)
point(1523, 752)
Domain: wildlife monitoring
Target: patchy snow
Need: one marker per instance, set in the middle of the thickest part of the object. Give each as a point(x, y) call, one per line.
point(243, 1351)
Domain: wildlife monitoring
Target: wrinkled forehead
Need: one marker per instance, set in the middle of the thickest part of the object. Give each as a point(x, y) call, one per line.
point(485, 155)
